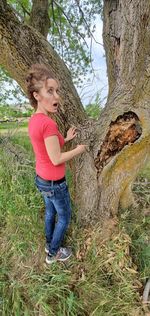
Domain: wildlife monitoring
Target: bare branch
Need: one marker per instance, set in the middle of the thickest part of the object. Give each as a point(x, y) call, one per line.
point(25, 10)
point(77, 32)
point(54, 22)
point(87, 26)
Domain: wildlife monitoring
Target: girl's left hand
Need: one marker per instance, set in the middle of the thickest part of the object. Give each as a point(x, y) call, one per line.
point(71, 134)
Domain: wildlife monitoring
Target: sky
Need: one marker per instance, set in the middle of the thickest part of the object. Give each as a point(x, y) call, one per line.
point(99, 80)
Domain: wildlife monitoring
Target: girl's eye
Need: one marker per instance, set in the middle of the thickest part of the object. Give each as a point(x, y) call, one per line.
point(58, 91)
point(50, 91)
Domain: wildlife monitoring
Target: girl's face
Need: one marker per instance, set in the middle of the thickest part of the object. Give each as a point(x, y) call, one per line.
point(48, 97)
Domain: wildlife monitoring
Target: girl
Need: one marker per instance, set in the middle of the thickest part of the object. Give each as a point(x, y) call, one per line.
point(47, 142)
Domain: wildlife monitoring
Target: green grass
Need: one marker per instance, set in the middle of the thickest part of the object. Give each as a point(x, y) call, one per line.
point(100, 279)
point(13, 125)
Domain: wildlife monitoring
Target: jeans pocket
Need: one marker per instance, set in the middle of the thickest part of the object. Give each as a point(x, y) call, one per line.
point(45, 190)
point(48, 194)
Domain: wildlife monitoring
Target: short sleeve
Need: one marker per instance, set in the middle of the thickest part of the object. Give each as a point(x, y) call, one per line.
point(50, 129)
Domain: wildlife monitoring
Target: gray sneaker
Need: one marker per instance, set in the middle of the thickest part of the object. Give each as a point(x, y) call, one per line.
point(50, 258)
point(63, 254)
point(47, 248)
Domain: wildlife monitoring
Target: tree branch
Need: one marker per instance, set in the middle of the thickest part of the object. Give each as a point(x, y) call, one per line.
point(39, 17)
point(55, 23)
point(25, 11)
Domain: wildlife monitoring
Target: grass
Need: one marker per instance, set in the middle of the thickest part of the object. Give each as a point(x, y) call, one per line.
point(12, 125)
point(102, 278)
point(137, 223)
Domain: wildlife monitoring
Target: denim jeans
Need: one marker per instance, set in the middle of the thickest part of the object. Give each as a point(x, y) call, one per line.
point(57, 205)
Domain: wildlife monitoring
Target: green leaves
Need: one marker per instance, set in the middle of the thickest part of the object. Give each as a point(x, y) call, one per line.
point(72, 23)
point(22, 8)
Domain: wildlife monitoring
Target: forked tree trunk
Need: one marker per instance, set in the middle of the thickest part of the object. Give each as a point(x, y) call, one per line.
point(118, 143)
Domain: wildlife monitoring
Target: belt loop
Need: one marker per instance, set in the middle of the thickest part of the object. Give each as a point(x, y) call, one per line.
point(52, 182)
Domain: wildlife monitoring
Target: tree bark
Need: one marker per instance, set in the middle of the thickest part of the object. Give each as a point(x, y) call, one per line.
point(119, 142)
point(39, 17)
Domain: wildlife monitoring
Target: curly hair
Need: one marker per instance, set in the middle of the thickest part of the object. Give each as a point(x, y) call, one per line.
point(37, 74)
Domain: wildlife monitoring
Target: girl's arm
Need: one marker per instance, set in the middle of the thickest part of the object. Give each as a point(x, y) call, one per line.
point(54, 151)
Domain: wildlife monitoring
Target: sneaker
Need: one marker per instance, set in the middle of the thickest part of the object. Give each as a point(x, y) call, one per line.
point(62, 255)
point(47, 248)
point(50, 258)
point(62, 248)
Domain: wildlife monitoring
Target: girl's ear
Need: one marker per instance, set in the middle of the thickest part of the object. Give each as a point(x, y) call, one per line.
point(36, 96)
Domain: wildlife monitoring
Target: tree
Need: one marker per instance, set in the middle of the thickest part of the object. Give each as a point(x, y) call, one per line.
point(118, 141)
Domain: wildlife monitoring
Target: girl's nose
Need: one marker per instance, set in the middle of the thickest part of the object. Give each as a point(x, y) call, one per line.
point(56, 95)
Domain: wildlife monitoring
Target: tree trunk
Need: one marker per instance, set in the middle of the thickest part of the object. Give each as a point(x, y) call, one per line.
point(119, 142)
point(39, 17)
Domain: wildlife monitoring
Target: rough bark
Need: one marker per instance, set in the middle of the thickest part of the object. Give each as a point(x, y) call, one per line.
point(119, 142)
point(39, 17)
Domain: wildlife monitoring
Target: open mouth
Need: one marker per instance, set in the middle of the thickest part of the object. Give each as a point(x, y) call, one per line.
point(55, 105)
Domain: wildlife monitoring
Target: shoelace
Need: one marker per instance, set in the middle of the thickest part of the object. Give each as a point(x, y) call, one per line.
point(64, 251)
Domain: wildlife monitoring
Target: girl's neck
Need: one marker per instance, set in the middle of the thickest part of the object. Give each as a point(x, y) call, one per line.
point(41, 111)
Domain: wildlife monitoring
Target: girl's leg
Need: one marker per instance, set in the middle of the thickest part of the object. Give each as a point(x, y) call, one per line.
point(50, 212)
point(50, 216)
point(63, 208)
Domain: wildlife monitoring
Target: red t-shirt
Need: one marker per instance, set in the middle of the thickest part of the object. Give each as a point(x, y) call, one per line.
point(40, 127)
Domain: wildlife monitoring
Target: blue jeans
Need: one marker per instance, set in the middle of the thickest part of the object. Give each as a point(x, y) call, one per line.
point(57, 204)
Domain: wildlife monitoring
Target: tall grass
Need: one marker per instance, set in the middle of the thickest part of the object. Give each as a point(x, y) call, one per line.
point(100, 279)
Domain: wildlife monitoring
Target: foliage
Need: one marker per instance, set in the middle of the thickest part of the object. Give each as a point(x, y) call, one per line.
point(93, 110)
point(100, 279)
point(22, 8)
point(70, 31)
point(8, 111)
point(14, 119)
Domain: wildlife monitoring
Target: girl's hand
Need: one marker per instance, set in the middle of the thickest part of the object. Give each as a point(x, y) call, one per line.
point(71, 134)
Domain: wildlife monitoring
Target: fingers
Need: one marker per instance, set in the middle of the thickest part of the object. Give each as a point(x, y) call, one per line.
point(73, 128)
point(72, 132)
point(74, 135)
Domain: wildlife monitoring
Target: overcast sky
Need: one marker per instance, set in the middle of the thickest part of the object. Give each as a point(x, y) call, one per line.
point(99, 80)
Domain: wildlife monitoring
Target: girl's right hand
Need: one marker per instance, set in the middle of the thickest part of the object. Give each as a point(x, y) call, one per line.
point(81, 148)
